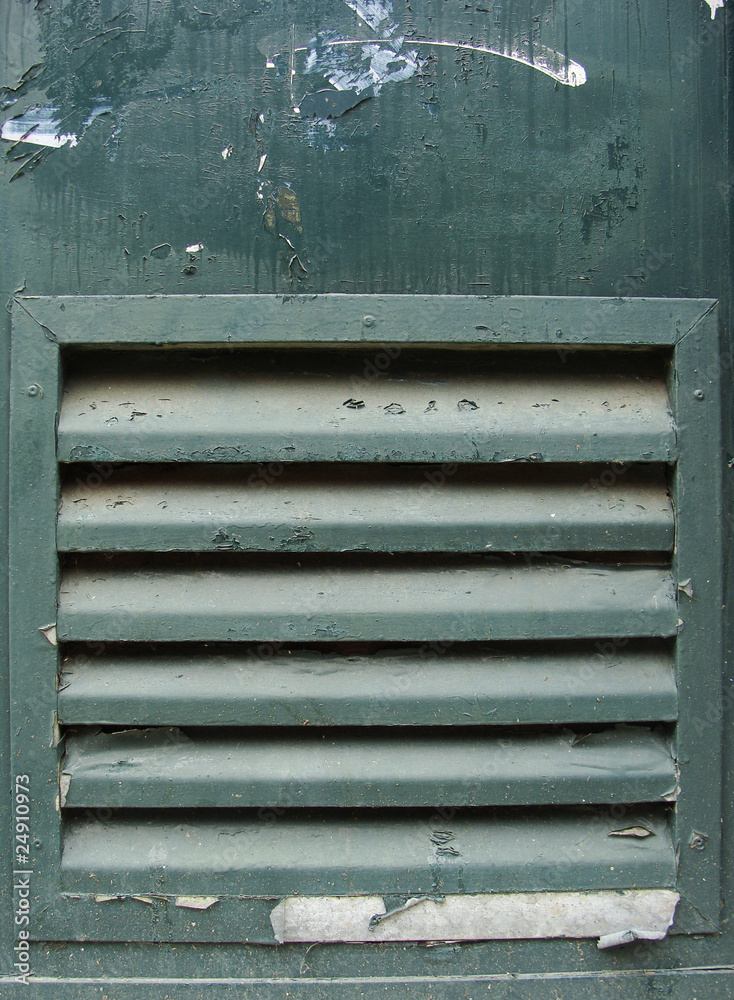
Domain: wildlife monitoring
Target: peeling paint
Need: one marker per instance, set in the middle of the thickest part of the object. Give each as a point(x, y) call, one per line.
point(196, 902)
point(64, 786)
point(645, 913)
point(627, 937)
point(362, 73)
point(49, 633)
point(373, 12)
point(713, 4)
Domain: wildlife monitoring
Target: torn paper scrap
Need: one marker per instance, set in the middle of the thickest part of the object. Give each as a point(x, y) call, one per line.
point(486, 916)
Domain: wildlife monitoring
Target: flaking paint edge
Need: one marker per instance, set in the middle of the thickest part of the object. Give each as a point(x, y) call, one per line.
point(610, 916)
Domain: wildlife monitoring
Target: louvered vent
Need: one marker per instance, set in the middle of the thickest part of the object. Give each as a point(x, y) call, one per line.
point(341, 619)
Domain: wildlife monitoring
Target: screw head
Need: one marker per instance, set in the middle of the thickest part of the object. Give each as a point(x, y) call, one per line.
point(699, 394)
point(698, 841)
point(368, 320)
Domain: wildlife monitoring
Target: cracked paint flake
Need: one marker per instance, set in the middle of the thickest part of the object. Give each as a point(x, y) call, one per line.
point(195, 902)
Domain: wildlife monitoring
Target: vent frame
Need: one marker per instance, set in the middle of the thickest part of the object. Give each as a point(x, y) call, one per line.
point(42, 327)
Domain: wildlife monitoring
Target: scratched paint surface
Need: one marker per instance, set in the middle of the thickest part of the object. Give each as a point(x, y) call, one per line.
point(372, 145)
point(458, 167)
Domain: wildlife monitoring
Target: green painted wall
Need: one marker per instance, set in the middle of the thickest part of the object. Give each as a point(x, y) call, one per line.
point(467, 173)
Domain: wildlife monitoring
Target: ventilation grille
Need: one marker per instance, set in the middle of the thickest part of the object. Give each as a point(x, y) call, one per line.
point(401, 633)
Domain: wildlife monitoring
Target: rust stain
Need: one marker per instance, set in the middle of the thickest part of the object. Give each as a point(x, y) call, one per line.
point(289, 207)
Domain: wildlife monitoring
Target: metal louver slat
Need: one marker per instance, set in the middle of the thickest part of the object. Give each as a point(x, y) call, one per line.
point(359, 599)
point(148, 769)
point(347, 852)
point(198, 409)
point(418, 687)
point(369, 508)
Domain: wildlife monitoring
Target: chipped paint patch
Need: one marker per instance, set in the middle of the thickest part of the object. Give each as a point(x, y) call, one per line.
point(713, 4)
point(644, 913)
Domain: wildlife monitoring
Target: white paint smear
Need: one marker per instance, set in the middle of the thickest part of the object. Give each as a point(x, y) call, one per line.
point(628, 915)
point(42, 127)
point(548, 61)
point(379, 63)
point(39, 126)
point(713, 4)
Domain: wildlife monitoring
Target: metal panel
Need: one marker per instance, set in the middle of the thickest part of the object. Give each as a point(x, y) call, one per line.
point(301, 508)
point(698, 565)
point(272, 599)
point(423, 686)
point(367, 319)
point(149, 768)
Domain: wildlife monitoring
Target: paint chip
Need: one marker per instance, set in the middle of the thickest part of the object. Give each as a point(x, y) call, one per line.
point(196, 902)
point(195, 248)
point(686, 587)
point(227, 152)
point(64, 786)
point(639, 832)
point(714, 5)
point(49, 632)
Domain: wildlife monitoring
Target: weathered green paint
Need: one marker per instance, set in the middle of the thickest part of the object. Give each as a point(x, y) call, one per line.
point(416, 600)
point(446, 183)
point(446, 409)
point(417, 687)
point(366, 509)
